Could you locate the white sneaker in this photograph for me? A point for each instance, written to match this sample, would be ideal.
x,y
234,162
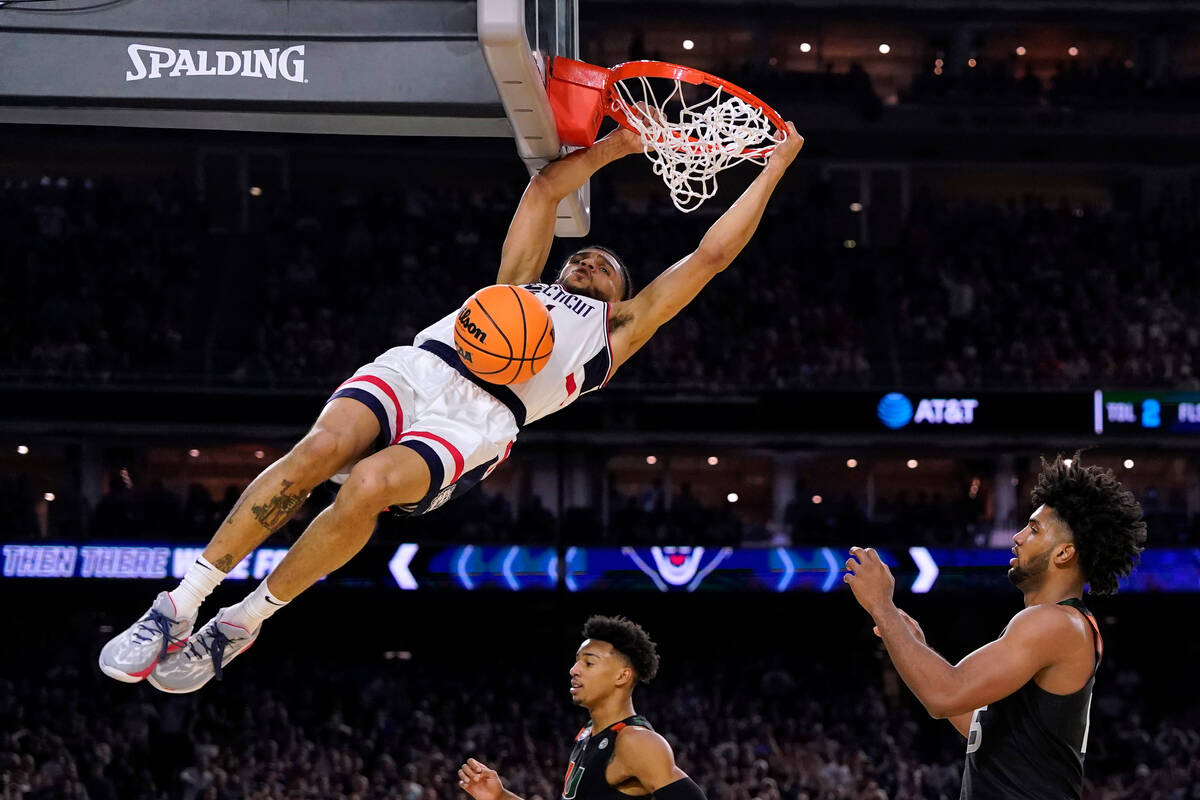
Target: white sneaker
x,y
204,657
131,655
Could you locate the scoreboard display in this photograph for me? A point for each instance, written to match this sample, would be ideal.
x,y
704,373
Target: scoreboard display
x,y
1140,412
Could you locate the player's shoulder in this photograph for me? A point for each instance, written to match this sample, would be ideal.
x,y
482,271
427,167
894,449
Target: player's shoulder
x,y
642,741
1049,624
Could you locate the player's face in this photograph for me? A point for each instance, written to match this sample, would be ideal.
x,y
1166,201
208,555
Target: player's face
x,y
591,274
1033,547
598,671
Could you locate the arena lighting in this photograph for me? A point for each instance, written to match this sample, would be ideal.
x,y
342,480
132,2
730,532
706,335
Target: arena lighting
x,y
856,207
937,70
1068,461
1020,51
22,450
849,244
1072,51
256,191
651,460
939,63
911,463
851,462
48,497
713,461
805,47
688,44
885,48
817,499
732,497
194,453
259,454
1128,463
972,63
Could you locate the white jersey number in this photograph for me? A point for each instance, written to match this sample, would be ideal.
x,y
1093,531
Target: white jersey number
x,y
975,734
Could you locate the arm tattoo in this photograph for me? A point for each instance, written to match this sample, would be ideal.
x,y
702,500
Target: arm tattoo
x,y
279,509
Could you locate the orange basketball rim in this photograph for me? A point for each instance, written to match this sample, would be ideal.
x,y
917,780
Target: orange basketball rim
x,y
693,124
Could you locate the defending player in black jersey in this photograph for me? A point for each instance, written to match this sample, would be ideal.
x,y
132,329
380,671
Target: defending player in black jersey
x,y
617,754
1023,701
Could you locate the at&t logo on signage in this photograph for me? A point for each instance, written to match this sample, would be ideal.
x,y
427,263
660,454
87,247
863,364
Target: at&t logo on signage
x,y
895,411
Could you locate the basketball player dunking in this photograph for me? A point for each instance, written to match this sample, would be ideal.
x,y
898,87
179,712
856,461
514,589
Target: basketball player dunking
x,y
1023,702
617,754
415,428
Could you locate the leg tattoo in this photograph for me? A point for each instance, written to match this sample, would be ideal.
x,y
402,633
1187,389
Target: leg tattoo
x,y
279,509
224,563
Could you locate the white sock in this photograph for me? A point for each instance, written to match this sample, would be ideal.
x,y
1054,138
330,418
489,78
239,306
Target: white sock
x,y
198,583
257,606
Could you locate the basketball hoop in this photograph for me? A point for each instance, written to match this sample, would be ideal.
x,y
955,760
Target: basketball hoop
x,y
689,135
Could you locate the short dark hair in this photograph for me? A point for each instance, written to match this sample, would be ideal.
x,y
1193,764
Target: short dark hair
x,y
615,260
627,638
1104,517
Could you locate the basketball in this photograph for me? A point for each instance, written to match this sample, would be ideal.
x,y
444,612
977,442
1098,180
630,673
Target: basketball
x,y
504,334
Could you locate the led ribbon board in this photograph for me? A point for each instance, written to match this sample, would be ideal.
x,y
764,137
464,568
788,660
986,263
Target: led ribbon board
x,y
517,568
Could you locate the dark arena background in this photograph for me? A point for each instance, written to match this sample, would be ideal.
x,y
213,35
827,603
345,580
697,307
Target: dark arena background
x,y
986,253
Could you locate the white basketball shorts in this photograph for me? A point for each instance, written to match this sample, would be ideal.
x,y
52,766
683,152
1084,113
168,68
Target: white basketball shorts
x,y
459,430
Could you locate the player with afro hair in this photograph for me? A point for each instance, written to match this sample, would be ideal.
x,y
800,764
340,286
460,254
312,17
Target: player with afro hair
x,y
1023,701
1103,517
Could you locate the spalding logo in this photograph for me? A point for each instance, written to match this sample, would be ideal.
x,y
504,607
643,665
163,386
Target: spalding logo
x,y
150,61
464,319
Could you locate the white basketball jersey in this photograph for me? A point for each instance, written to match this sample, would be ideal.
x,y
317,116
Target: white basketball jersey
x,y
580,363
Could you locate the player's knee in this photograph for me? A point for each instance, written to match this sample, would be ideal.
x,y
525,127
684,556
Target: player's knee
x,y
320,453
370,488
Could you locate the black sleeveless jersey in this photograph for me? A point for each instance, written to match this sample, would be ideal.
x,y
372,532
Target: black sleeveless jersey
x,y
1031,744
589,761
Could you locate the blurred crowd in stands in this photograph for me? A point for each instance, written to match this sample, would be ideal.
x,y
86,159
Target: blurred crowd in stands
x,y
123,283
647,517
1106,85
782,728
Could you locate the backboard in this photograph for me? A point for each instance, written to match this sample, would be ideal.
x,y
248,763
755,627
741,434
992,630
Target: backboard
x,y
518,39
386,67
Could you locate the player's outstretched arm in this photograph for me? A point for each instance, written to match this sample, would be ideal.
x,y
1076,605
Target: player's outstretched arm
x,y
531,231
646,757
1035,639
961,722
634,321
482,783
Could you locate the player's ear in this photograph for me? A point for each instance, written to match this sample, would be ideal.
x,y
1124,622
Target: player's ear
x,y
625,677
1064,554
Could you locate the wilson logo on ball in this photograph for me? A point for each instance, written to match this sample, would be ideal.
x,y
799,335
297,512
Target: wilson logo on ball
x,y
504,334
464,319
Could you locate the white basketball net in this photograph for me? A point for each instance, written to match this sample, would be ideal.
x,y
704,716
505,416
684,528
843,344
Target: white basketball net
x,y
702,138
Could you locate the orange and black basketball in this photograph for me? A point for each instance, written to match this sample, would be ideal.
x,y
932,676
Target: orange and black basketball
x,y
504,334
